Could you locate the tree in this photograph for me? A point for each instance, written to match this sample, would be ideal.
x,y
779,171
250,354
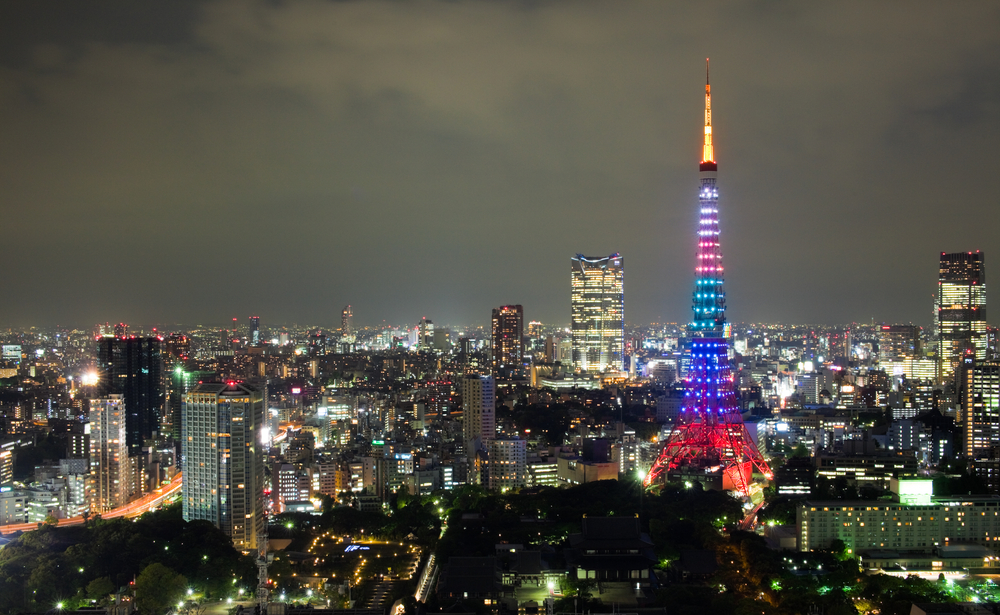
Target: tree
x,y
157,588
801,451
100,588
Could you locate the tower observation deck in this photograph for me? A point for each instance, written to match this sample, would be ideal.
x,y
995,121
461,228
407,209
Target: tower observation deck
x,y
709,435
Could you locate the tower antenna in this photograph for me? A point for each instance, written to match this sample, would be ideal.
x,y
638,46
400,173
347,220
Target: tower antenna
x,y
708,151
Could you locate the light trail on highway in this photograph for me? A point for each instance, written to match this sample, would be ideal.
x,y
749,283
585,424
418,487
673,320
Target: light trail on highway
x,y
146,503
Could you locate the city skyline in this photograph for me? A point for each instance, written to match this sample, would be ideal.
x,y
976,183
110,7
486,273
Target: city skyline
x,y
486,142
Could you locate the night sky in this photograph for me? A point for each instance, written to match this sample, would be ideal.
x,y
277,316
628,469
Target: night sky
x,y
168,162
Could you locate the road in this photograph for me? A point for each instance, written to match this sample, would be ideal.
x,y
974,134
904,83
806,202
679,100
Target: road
x,y
148,502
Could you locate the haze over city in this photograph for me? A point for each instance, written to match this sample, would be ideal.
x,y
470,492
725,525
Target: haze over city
x,y
195,161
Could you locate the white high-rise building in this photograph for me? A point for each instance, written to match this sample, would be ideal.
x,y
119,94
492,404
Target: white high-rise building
x,y
478,412
223,459
507,464
109,461
598,312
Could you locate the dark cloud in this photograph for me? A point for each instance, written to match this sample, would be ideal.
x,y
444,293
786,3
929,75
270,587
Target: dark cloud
x,y
192,161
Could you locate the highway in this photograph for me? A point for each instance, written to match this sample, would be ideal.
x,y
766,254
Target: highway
x,y
150,501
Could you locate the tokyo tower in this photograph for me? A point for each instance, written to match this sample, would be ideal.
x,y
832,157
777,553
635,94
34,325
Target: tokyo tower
x,y
710,434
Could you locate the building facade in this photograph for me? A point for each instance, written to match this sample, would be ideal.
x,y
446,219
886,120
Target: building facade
x,y
960,310
507,464
980,406
478,412
109,459
899,526
223,459
132,367
598,312
508,341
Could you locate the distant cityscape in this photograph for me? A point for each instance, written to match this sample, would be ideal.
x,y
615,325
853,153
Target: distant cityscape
x,y
871,443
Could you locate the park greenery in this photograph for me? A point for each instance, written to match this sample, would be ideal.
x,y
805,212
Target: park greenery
x,y
156,557
161,559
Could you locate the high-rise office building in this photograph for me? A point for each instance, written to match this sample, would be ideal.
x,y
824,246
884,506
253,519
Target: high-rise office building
x,y
960,311
132,367
508,341
425,334
598,312
110,463
478,412
980,382
346,321
897,343
255,331
223,459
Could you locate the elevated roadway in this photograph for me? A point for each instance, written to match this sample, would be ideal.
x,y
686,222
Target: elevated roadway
x,y
148,502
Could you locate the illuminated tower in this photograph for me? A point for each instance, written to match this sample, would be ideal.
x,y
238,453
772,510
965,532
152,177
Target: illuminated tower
x,y
710,430
598,312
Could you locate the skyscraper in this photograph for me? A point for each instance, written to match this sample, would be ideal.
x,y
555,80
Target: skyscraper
x,y
508,341
598,312
960,310
255,330
980,406
346,321
110,464
478,412
131,367
425,334
896,343
223,459
710,431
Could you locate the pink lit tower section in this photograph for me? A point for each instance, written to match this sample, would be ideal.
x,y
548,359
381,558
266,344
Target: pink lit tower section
x,y
710,434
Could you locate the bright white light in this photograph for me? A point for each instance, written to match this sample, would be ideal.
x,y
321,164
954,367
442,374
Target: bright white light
x,y
89,379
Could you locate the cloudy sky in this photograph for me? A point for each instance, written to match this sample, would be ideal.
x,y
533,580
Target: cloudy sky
x,y
194,161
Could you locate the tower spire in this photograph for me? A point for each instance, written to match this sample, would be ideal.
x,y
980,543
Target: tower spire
x,y
708,153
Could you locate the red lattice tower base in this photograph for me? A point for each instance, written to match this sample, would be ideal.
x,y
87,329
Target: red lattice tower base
x,y
710,432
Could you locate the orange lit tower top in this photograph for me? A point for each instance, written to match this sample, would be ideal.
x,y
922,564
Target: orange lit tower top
x,y
708,152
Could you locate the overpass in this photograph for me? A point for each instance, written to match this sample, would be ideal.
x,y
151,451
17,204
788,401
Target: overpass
x,y
148,502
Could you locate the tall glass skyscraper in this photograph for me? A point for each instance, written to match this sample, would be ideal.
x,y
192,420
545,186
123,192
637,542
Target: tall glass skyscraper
x,y
598,312
223,459
132,367
960,310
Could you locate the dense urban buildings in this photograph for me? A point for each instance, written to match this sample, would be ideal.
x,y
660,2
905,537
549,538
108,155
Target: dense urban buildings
x,y
960,310
223,464
598,312
508,341
664,435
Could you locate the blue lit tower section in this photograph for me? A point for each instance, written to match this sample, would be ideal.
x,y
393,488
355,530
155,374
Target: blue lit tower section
x,y
710,433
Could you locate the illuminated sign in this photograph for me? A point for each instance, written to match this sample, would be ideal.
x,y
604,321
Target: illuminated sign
x,y
355,548
11,351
